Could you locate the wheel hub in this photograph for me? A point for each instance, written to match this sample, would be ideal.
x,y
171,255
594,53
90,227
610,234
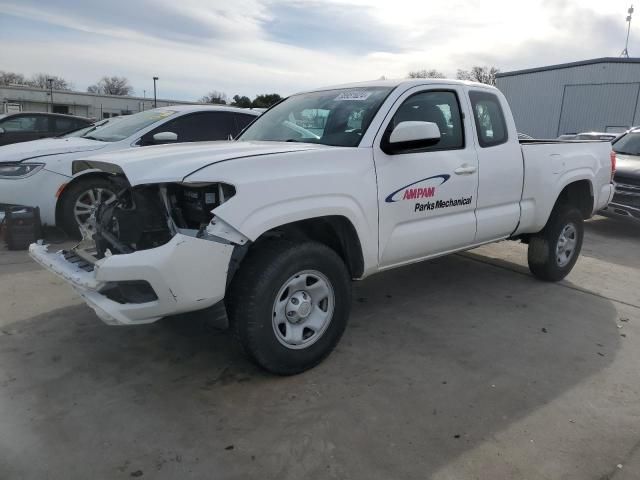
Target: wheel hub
x,y
299,306
566,245
302,309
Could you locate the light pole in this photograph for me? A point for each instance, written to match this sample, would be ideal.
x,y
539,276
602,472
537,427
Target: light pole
x,y
625,52
155,100
144,98
50,82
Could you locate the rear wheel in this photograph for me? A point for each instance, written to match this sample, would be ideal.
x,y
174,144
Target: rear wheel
x,y
554,251
81,200
289,304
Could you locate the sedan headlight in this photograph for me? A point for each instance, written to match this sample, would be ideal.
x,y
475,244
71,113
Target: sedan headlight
x,y
19,170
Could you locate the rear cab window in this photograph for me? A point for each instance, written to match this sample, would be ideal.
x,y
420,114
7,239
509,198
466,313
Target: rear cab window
x,y
491,127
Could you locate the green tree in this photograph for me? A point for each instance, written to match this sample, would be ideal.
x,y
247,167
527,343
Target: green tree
x,y
242,102
265,100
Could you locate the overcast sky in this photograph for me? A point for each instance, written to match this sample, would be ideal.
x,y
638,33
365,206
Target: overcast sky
x,y
259,46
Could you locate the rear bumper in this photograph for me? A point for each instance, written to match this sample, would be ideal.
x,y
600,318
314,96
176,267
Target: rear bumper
x,y
186,274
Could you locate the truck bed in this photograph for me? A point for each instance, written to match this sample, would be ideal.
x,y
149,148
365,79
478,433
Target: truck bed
x,y
548,166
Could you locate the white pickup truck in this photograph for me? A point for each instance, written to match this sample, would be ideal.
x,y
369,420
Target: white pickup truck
x,y
326,187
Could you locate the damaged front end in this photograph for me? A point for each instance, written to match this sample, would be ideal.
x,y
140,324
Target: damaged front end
x,y
152,251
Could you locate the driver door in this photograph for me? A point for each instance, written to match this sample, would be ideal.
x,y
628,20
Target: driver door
x,y
427,197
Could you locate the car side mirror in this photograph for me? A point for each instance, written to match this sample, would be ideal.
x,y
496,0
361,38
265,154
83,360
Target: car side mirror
x,y
165,137
1,130
412,135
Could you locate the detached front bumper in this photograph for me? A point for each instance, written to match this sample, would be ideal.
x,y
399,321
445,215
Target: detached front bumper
x,y
186,274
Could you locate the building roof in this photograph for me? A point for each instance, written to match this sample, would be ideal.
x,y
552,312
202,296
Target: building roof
x,y
559,66
29,88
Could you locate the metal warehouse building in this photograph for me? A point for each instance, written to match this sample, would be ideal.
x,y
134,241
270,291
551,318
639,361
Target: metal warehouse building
x,y
18,98
592,95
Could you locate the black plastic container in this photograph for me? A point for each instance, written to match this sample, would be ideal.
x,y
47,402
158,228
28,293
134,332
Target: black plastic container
x,y
22,227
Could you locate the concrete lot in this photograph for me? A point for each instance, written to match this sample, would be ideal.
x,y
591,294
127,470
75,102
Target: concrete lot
x,y
461,368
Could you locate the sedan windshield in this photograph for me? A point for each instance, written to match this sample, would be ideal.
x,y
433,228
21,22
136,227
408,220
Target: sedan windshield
x,y
628,144
330,117
127,126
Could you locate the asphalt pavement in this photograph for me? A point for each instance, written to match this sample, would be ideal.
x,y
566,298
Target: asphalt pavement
x,y
465,367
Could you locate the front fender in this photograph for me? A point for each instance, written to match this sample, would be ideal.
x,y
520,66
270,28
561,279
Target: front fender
x,y
280,189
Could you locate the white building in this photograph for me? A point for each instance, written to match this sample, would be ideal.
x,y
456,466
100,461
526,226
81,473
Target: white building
x,y
83,104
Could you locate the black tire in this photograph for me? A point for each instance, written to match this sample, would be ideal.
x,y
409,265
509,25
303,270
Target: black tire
x,y
251,296
70,196
542,254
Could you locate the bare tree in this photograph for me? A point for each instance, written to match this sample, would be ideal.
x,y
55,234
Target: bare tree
x,y
479,74
41,80
215,97
12,78
431,73
112,86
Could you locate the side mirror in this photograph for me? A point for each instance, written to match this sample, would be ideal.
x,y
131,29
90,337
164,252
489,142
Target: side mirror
x,y
1,130
165,137
412,135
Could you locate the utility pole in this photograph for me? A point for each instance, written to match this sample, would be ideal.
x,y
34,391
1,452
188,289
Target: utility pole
x,y
155,100
625,52
50,82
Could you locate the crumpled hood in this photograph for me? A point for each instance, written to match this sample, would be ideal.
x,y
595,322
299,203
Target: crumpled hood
x,y
17,152
628,166
173,163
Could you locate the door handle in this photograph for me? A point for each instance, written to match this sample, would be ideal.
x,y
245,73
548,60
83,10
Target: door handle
x,y
465,169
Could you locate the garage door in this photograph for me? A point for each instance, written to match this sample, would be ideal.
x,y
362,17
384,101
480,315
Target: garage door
x,y
598,108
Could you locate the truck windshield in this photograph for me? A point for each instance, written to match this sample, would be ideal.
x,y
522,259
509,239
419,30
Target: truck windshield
x,y
628,144
127,126
330,117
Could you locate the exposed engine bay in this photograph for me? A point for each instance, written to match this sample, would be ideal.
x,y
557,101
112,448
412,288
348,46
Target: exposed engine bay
x,y
147,216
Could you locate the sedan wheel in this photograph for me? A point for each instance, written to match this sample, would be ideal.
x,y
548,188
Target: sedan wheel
x,y
87,204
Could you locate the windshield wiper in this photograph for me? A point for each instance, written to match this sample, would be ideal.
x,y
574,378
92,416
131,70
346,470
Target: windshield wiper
x,y
90,137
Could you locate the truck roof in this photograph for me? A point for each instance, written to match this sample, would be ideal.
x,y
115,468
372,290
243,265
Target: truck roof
x,y
402,82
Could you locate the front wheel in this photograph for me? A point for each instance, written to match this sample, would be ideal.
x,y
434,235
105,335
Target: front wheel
x,y
554,251
289,304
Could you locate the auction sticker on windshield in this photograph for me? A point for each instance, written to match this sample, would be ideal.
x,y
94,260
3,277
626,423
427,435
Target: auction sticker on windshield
x,y
353,95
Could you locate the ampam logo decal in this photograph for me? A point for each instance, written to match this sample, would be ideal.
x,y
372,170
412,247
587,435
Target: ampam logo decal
x,y
425,188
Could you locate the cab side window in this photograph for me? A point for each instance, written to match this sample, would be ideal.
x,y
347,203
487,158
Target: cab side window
x,y
489,119
439,107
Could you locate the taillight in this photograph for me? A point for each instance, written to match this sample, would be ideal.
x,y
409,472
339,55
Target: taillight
x,y
613,164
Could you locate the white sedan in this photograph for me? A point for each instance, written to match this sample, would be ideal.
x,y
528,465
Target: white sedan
x,y
38,173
